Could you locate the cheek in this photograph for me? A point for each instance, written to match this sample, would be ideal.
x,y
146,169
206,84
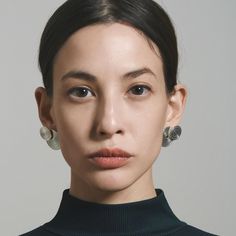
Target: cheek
x,y
149,128
71,117
152,116
73,124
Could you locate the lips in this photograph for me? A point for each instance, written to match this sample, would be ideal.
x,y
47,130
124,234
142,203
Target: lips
x,y
110,158
110,152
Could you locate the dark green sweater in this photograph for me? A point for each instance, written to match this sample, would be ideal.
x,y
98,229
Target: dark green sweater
x,y
149,217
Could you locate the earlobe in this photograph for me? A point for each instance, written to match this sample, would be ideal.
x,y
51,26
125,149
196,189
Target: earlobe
x,y
44,107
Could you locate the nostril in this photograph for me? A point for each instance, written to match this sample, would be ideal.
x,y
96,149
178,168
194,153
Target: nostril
x,y
103,133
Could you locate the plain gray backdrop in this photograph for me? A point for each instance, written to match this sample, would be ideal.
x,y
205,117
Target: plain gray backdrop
x,y
197,172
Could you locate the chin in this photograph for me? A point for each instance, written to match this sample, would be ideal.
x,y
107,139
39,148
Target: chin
x,y
112,180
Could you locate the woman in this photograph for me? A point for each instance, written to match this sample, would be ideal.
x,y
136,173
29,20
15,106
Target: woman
x,y
111,100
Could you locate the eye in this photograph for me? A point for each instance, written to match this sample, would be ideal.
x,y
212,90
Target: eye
x,y
139,89
79,92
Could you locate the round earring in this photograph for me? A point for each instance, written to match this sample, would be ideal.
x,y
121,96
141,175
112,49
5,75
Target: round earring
x,y
171,134
51,137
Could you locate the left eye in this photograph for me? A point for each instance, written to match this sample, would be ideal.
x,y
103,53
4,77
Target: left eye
x,y
79,92
139,89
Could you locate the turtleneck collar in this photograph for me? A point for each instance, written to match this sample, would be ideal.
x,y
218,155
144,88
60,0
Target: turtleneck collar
x,y
79,217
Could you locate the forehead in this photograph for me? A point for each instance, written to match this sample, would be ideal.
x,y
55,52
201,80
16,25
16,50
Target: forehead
x,y
112,44
109,33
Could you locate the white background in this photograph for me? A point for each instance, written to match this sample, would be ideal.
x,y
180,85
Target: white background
x,y
197,172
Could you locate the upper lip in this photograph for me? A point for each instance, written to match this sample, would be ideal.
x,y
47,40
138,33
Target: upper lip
x,y
110,152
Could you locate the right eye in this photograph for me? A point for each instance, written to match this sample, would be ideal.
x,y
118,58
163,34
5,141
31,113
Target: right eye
x,y
79,92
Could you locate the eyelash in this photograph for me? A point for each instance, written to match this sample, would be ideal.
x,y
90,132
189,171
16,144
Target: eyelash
x,y
76,89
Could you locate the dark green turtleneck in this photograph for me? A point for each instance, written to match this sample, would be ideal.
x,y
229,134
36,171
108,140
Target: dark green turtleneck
x,y
149,217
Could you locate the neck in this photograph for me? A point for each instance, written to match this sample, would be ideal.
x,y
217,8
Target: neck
x,y
141,189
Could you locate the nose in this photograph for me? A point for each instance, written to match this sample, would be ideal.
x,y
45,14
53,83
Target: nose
x,y
109,118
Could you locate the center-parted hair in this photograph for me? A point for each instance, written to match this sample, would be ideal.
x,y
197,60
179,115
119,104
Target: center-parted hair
x,y
146,16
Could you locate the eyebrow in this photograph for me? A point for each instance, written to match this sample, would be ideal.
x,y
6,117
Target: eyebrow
x,y
83,75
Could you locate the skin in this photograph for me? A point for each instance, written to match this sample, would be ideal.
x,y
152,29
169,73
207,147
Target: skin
x,y
110,112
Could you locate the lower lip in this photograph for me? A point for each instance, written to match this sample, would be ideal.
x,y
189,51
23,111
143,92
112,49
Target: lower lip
x,y
109,162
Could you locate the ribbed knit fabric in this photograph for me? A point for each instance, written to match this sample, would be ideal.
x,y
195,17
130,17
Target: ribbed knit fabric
x,y
149,217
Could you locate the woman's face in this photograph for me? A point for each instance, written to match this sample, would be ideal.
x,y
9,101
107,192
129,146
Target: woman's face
x,y
109,108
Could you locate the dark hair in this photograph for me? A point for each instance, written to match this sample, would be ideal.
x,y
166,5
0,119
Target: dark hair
x,y
144,15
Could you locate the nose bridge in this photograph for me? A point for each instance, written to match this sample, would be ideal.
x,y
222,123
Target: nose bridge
x,y
109,112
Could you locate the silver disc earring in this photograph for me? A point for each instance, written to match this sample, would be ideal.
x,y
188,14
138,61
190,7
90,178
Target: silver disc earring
x,y
51,137
171,134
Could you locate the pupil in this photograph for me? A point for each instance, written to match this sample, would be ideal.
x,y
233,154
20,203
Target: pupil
x,y
139,90
81,92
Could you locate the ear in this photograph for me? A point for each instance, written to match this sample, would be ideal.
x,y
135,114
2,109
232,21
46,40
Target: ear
x,y
176,105
45,109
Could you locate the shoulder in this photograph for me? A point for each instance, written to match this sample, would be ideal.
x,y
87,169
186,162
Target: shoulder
x,y
193,231
186,230
40,231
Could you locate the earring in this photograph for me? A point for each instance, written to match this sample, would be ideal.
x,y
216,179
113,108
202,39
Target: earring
x,y
51,137
171,134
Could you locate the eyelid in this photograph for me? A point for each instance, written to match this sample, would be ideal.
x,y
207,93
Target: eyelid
x,y
141,85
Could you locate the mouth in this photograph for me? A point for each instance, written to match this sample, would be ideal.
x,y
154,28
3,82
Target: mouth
x,y
107,158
